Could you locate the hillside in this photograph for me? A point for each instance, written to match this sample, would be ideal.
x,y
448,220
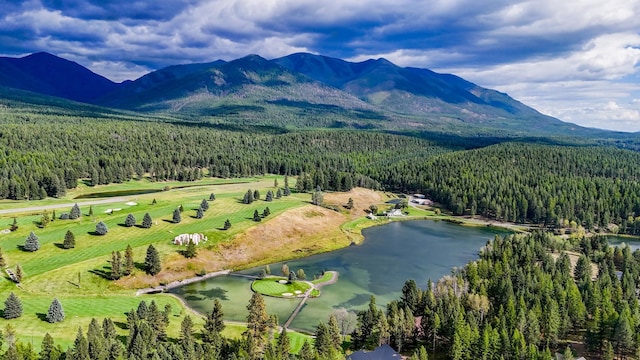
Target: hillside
x,y
296,91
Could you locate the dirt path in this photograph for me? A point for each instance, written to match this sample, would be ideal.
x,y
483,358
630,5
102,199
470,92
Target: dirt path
x,y
65,205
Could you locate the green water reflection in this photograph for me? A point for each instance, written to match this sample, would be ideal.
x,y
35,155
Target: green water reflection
x,y
389,256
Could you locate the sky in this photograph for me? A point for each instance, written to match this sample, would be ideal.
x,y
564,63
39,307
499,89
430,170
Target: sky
x,y
577,60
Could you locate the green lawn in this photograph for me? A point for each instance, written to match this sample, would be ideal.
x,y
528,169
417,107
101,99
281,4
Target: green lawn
x,y
272,287
77,276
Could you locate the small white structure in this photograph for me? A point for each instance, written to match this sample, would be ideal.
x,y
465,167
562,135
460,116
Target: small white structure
x,y
395,212
184,239
371,216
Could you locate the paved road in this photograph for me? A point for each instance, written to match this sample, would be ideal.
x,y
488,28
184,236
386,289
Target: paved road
x,y
67,205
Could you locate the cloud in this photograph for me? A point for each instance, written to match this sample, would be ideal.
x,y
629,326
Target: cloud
x,y
522,46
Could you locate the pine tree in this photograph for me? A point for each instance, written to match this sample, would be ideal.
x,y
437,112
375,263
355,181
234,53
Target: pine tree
x,y
214,323
258,322
55,313
176,216
129,265
152,261
146,221
204,205
75,212
256,195
130,220
190,251
212,197
14,225
317,198
101,228
49,351
269,196
287,191
53,215
97,344
12,307
45,219
80,349
90,210
19,273
334,332
154,202
275,182
31,243
181,208
116,264
278,193
306,352
256,216
3,262
227,225
349,204
199,213
283,346
266,212
69,240
248,197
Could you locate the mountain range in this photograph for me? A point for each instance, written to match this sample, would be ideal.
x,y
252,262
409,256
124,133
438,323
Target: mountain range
x,y
298,90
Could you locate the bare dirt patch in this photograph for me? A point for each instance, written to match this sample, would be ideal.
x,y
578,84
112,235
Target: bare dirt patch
x,y
573,259
362,199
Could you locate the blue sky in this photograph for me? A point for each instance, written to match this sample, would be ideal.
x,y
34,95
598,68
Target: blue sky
x,y
578,60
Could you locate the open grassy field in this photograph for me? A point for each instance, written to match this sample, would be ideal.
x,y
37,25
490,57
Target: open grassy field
x,y
78,277
271,286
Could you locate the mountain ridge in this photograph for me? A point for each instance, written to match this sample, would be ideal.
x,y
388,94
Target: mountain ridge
x,y
298,89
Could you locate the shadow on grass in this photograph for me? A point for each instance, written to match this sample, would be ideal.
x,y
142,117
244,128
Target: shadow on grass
x,y
60,246
140,266
42,317
121,325
168,221
102,273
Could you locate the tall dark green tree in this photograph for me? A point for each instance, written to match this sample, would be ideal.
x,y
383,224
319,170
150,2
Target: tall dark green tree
x,y
146,221
214,323
69,240
227,225
177,218
204,205
256,216
80,349
129,264
212,197
269,196
130,220
152,261
12,307
116,265
3,261
190,250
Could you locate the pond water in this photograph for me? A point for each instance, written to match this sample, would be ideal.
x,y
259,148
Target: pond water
x,y
390,255
633,242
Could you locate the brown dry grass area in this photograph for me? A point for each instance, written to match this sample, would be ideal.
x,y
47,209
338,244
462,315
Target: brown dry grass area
x,y
362,198
295,233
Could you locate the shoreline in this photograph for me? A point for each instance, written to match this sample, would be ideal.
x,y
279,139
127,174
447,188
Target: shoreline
x,y
172,285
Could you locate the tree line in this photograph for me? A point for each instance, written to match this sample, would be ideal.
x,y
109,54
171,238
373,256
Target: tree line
x,y
518,301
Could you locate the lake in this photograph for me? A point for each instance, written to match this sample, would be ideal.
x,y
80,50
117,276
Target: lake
x,y
633,242
390,255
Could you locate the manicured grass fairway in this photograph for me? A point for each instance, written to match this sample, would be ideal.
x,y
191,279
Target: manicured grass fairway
x,y
53,272
270,286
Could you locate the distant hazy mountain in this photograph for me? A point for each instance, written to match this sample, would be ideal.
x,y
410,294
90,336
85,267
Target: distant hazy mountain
x,y
296,90
47,74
